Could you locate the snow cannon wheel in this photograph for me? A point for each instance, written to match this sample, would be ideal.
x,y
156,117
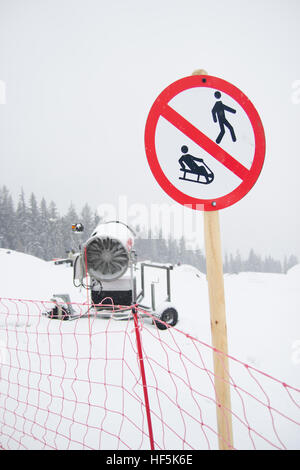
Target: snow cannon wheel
x,y
169,316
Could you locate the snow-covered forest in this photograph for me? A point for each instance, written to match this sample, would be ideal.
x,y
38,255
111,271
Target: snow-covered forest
x,y
36,227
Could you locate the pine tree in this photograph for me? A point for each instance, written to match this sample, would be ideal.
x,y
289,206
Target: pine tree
x,y
44,230
8,230
254,262
226,264
71,240
96,219
199,260
238,262
162,255
22,225
56,236
34,246
181,250
87,219
285,264
172,250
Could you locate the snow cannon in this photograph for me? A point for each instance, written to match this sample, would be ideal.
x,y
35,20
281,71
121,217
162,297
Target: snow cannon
x,y
107,254
107,257
107,266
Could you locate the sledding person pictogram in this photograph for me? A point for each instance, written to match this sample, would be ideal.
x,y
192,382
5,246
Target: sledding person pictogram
x,y
218,113
189,165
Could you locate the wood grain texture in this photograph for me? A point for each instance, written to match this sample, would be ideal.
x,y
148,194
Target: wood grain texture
x,y
215,280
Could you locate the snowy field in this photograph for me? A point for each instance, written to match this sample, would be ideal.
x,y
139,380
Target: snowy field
x,y
85,391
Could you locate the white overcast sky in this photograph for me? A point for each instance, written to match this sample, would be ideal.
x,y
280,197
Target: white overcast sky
x,y
81,76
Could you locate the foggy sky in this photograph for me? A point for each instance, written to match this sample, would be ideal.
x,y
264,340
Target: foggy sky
x,y
81,76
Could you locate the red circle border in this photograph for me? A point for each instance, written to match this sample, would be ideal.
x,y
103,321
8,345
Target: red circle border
x,y
169,93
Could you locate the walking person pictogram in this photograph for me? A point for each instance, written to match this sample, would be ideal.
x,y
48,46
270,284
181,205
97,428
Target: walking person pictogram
x,y
218,113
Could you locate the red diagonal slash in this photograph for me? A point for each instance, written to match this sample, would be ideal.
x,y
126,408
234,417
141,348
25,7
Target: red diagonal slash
x,y
204,142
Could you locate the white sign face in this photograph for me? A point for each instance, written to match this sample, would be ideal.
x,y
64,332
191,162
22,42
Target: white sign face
x,y
205,142
196,106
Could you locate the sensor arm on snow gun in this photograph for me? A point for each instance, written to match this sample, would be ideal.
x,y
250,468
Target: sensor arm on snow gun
x,y
77,228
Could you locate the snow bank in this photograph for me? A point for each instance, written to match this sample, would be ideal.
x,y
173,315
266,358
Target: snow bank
x,y
24,276
262,308
189,270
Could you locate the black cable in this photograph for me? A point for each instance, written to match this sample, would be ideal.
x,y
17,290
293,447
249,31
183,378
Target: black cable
x,y
81,284
74,270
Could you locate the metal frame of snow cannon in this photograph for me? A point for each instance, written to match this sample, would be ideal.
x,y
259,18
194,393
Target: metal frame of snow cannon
x,y
165,312
105,303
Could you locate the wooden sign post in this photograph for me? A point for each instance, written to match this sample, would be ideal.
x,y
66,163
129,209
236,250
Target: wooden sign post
x,y
214,266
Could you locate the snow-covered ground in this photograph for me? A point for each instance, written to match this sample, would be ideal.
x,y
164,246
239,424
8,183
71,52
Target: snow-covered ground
x,y
263,316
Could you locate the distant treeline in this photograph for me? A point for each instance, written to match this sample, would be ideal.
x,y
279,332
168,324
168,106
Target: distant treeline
x,y
38,229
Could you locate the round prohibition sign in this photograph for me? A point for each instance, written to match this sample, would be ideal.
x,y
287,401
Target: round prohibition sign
x,y
247,176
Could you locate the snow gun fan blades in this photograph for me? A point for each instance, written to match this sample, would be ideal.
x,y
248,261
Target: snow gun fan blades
x,y
107,253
